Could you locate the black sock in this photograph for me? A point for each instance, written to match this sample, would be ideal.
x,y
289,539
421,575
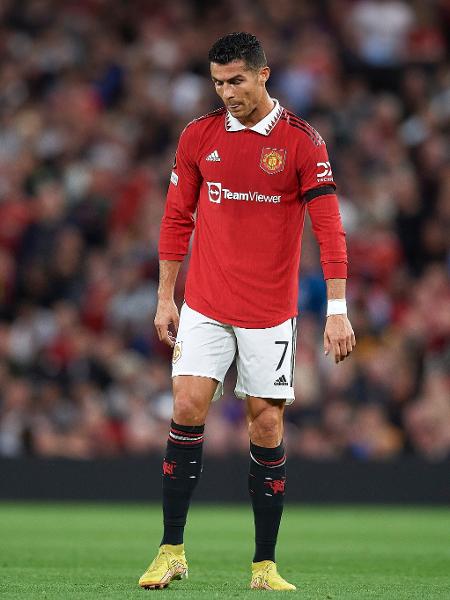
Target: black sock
x,y
266,481
181,471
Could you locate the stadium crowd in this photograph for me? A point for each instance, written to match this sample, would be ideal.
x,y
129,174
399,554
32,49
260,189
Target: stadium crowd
x,y
93,96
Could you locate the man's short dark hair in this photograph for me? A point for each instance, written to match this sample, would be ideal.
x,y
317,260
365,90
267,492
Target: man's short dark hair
x,y
238,46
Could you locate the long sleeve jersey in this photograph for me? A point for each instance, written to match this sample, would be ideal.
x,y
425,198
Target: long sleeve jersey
x,y
245,191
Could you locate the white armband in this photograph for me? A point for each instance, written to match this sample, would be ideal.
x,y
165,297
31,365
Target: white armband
x,y
336,307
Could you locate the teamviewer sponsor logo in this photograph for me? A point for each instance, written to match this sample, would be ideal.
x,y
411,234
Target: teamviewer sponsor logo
x,y
214,192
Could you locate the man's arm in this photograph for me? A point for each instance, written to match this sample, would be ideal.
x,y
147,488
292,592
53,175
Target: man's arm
x,y
338,335
318,191
176,228
327,226
167,311
326,223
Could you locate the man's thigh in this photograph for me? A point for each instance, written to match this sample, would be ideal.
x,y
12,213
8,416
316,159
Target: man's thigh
x,y
204,347
266,361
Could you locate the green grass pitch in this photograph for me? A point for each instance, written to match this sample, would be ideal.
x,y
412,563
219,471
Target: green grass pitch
x,y
62,551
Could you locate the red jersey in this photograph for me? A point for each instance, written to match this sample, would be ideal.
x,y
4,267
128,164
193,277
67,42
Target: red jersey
x,y
246,191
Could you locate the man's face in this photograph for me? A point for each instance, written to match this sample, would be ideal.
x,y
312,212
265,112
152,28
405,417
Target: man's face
x,y
240,88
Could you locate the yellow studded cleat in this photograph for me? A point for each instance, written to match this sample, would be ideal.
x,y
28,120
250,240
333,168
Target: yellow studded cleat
x,y
169,564
266,577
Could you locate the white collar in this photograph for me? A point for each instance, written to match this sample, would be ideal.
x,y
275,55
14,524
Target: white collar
x,y
264,127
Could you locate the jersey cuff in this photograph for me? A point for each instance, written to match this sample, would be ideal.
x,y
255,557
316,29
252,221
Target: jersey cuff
x,y
323,190
334,270
171,256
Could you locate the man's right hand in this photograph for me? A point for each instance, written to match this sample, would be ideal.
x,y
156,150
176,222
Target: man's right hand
x,y
167,315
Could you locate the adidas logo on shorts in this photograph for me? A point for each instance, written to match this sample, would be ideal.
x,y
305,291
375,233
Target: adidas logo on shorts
x,y
281,381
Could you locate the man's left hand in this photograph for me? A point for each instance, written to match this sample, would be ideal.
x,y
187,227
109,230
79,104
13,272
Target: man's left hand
x,y
338,337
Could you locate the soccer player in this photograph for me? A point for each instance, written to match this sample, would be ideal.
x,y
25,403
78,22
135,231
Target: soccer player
x,y
243,177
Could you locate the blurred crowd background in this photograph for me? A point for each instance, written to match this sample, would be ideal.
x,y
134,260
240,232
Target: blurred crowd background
x,y
93,96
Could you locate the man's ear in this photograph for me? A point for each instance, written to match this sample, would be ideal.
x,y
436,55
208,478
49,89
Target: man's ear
x,y
264,74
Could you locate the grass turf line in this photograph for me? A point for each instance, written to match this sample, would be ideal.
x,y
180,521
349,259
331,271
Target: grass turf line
x,y
55,551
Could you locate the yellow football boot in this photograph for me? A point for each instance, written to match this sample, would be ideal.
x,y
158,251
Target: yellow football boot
x,y
266,577
169,564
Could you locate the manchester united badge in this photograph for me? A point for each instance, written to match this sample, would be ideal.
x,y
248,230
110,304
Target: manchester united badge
x,y
176,352
272,160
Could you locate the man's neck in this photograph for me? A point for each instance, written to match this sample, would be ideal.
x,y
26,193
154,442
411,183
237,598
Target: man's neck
x,y
260,111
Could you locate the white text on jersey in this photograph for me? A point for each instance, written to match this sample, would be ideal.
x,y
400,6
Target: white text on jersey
x,y
216,193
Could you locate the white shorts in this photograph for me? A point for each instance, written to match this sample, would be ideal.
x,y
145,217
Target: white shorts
x,y
265,358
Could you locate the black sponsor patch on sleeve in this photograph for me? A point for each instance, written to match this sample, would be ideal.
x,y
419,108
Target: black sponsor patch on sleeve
x,y
323,190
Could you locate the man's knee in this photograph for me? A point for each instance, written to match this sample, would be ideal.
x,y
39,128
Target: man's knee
x,y
266,428
191,401
188,410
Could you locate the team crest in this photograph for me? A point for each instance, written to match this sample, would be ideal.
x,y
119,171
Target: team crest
x,y
176,352
272,160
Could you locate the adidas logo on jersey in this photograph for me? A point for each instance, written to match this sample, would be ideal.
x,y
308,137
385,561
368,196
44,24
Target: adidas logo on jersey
x,y
213,157
281,381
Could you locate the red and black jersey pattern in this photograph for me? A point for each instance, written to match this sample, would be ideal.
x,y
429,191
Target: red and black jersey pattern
x,y
298,123
246,192
214,113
